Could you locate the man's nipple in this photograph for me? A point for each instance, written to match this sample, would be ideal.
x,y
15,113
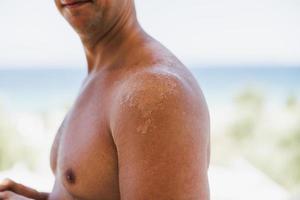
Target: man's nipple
x,y
70,176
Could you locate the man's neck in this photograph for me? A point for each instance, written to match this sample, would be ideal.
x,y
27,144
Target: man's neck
x,y
112,47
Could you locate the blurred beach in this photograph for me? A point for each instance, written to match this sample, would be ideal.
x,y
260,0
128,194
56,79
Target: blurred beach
x,y
255,126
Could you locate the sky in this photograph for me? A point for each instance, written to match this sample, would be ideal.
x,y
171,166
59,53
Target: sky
x,y
202,32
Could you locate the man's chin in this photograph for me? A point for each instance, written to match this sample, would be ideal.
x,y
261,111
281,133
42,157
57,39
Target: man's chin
x,y
82,27
77,21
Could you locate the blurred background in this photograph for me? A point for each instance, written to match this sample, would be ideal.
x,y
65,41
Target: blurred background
x,y
245,55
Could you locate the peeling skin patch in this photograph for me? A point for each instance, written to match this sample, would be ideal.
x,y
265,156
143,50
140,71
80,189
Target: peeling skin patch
x,y
144,128
148,93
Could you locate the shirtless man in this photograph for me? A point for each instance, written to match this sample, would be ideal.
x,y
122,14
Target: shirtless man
x,y
139,128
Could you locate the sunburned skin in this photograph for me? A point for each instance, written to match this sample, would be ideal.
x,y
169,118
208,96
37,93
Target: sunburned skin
x,y
139,128
140,98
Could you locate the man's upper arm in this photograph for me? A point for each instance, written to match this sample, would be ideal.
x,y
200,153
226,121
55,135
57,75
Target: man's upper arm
x,y
161,131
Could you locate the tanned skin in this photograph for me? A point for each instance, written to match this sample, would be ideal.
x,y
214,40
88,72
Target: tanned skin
x,y
139,128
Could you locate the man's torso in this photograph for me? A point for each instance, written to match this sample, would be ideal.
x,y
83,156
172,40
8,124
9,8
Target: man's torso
x,y
84,157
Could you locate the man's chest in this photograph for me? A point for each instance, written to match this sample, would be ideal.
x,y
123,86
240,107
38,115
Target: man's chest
x,y
83,156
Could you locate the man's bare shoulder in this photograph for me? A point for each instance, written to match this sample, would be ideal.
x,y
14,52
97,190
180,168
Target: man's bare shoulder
x,y
155,85
157,80
160,127
157,91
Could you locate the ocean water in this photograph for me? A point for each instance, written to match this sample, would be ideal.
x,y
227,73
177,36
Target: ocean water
x,y
32,89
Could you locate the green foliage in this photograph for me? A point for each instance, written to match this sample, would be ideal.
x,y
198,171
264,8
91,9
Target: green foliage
x,y
292,102
249,105
290,146
243,130
274,152
250,99
12,149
